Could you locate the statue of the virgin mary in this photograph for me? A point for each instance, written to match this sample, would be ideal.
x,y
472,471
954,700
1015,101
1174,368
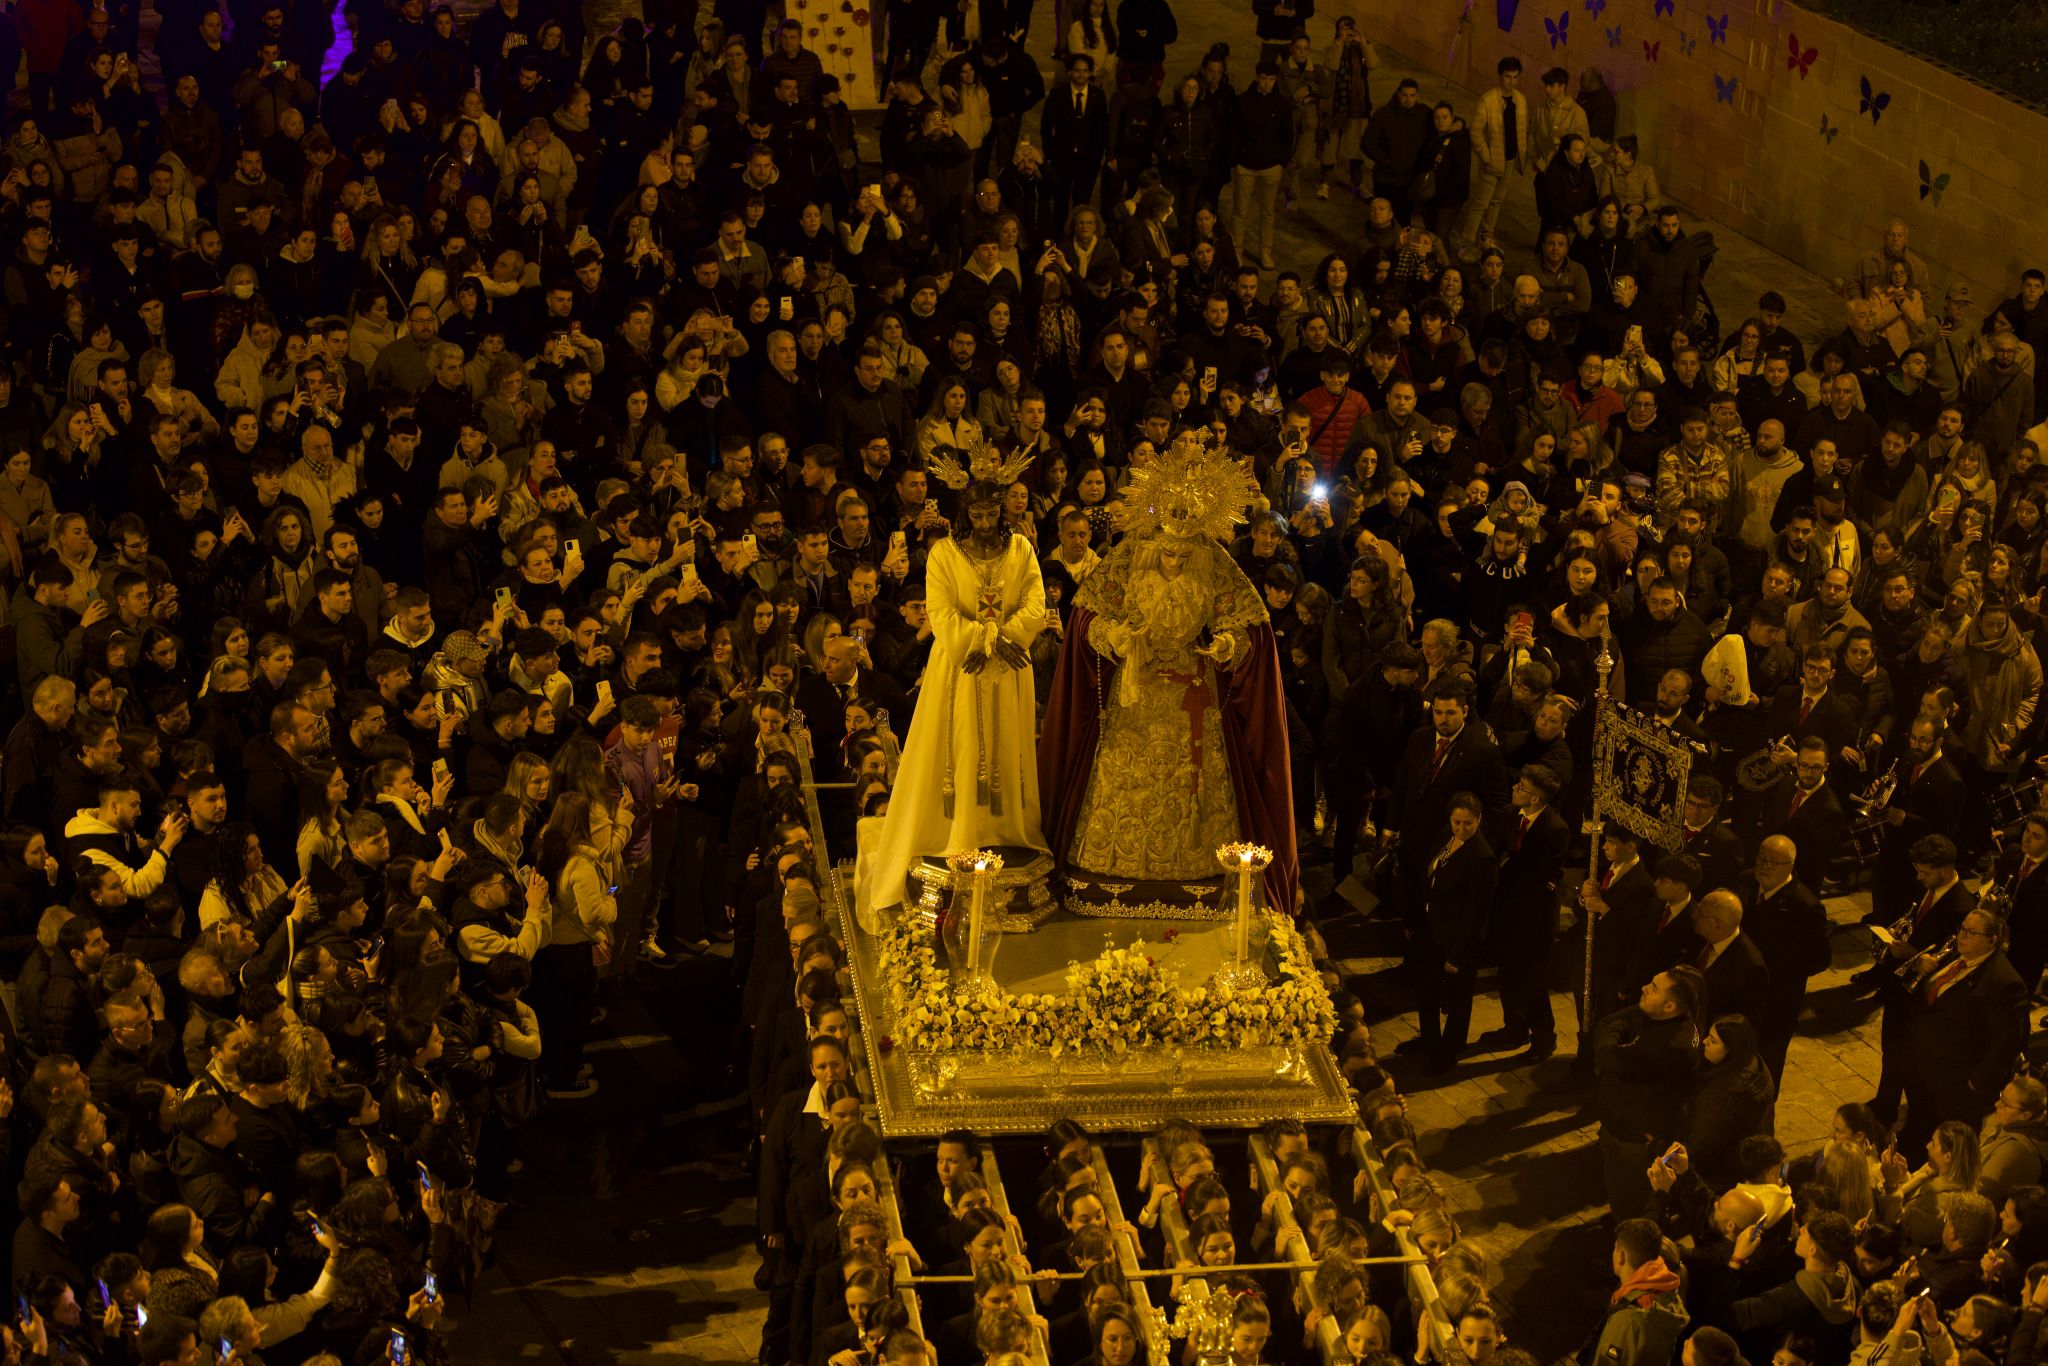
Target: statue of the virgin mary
x,y
1166,732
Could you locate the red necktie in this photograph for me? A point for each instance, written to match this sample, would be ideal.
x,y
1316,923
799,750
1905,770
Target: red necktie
x,y
1606,878
1926,903
1805,706
2027,866
1798,800
1692,832
1528,820
1942,980
1443,747
1706,957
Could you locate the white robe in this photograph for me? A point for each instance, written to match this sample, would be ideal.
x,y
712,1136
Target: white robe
x,y
955,710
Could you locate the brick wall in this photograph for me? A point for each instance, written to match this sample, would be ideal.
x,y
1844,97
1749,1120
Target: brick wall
x,y
1761,163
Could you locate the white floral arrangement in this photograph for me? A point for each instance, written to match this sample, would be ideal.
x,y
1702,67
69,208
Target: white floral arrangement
x,y
1123,999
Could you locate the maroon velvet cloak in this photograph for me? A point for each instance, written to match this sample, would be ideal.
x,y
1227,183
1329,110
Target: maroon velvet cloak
x,y
1254,713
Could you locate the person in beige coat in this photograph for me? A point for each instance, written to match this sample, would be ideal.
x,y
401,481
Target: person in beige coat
x,y
1503,135
1557,115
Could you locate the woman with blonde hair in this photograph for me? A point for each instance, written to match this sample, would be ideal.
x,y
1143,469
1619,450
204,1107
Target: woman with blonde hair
x,y
529,779
1914,1200
1846,1172
323,793
824,628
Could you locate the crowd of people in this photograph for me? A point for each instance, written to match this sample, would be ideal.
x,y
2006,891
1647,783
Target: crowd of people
x,y
434,490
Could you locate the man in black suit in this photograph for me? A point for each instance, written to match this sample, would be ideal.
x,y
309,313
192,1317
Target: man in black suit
x,y
1728,960
848,669
1448,758
1812,707
1790,928
1806,810
1073,128
1939,913
1708,839
1443,959
2021,896
1962,1030
1670,938
1927,800
1622,903
1531,841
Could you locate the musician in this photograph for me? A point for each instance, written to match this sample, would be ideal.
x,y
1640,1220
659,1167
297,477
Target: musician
x,y
1674,698
2019,887
1707,838
1789,926
1531,840
1728,960
1805,810
1623,903
1449,757
1443,960
1962,1028
1812,707
1927,799
1944,901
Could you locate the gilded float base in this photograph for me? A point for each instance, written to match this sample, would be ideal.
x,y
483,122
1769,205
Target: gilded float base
x,y
1021,895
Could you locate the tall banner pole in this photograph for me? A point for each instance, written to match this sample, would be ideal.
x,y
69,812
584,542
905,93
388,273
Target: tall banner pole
x,y
1594,827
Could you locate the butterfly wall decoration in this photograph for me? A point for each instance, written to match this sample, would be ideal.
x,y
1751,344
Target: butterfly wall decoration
x,y
1724,90
1559,30
1651,49
1798,60
1931,186
1717,30
1665,7
1687,43
1829,132
1596,7
1873,103
1614,36
1504,12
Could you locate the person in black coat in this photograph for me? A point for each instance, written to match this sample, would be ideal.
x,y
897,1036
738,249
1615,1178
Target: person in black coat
x,y
1961,1031
1450,757
1073,129
1927,799
1708,839
2018,891
1400,137
1643,1057
1443,960
1939,913
1531,841
1790,928
1806,811
1369,733
1729,962
1732,1097
1623,903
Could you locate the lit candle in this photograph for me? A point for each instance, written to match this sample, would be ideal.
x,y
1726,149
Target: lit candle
x,y
1244,906
974,919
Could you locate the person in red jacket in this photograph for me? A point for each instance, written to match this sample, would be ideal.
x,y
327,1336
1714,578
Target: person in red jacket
x,y
1334,409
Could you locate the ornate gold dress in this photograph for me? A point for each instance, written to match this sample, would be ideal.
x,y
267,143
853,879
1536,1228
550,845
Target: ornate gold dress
x,y
1159,801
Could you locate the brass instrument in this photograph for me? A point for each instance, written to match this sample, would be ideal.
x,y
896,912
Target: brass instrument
x,y
1997,896
1758,771
1920,977
1874,801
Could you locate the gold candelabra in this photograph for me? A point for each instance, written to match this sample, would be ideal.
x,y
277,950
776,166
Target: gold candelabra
x,y
1243,862
978,867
